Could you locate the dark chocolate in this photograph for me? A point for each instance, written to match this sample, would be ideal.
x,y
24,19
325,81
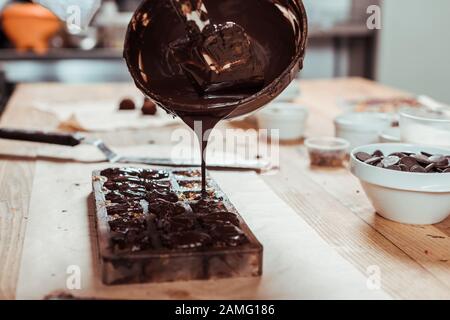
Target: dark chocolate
x,y
149,107
127,104
246,55
145,213
162,194
227,236
164,208
207,206
222,59
187,240
222,218
422,162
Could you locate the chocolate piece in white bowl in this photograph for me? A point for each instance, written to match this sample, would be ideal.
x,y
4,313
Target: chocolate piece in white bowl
x,y
418,198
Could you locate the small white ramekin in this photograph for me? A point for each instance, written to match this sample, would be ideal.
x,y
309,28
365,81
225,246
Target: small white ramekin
x,y
405,197
424,127
289,118
361,128
391,135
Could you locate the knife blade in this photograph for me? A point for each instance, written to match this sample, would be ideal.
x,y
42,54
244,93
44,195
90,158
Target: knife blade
x,y
72,140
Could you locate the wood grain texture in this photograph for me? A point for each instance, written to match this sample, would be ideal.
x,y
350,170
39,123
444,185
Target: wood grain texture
x,y
16,179
356,233
340,211
414,261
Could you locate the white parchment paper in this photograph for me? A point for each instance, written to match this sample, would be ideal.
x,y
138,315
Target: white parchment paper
x,y
60,238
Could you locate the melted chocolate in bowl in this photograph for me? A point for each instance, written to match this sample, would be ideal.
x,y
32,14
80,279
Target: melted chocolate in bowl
x,y
277,29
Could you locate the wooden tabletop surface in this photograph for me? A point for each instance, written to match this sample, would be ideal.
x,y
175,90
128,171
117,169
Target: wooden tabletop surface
x,y
414,261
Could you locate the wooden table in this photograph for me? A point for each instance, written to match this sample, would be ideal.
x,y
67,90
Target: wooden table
x,y
414,260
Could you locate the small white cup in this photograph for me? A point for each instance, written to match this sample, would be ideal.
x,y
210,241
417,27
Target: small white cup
x,y
290,93
391,135
361,128
289,118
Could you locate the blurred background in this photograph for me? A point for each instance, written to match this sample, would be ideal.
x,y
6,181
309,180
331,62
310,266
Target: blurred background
x,y
409,52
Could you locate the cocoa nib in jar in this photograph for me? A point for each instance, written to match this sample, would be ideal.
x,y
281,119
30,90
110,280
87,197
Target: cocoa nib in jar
x,y
421,162
329,151
327,158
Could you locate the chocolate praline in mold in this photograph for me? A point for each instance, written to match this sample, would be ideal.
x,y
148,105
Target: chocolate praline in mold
x,y
154,221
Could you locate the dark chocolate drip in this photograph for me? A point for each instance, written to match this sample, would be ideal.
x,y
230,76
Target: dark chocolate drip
x,y
202,127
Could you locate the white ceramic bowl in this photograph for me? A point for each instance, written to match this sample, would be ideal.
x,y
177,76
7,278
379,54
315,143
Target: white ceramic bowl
x,y
291,93
391,135
411,198
361,128
424,127
289,118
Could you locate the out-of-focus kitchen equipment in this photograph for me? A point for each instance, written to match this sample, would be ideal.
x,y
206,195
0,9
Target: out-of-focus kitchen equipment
x,y
379,105
78,13
434,106
422,126
76,139
361,128
288,118
29,26
128,5
406,197
112,25
326,13
86,39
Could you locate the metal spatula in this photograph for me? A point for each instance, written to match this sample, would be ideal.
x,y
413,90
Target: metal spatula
x,y
75,139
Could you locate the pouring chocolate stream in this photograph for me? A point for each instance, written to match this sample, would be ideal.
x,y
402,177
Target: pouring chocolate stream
x,y
222,59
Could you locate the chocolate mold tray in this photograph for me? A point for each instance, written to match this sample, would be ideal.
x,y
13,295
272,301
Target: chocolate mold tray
x,y
154,226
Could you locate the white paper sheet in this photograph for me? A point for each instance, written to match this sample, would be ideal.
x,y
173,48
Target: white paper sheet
x,y
103,116
298,264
